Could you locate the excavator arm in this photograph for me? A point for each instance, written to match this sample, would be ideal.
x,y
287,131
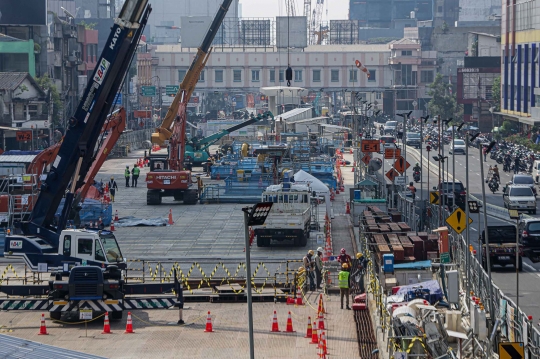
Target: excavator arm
x,y
43,159
113,128
186,88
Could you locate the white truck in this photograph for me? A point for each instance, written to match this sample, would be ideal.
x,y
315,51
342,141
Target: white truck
x,y
290,216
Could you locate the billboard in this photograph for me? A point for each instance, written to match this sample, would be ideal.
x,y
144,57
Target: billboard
x,y
256,32
27,12
292,31
193,29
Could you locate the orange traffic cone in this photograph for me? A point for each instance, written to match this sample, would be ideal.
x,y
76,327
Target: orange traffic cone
x,y
321,352
116,216
106,325
275,327
309,332
299,297
171,222
321,323
112,226
289,328
347,208
43,328
350,151
314,336
209,328
321,305
129,325
352,169
323,340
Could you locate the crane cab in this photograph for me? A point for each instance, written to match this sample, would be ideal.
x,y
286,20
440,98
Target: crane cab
x,y
75,247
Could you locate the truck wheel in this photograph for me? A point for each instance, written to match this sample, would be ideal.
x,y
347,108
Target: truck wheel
x,y
55,315
190,197
116,315
520,267
153,198
178,196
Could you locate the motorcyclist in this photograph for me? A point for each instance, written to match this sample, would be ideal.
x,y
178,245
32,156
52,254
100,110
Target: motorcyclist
x,y
495,170
417,168
507,162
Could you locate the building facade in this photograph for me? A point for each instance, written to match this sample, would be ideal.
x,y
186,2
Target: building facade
x,y
520,37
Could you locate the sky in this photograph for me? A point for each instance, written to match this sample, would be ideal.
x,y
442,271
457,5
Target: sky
x,y
333,9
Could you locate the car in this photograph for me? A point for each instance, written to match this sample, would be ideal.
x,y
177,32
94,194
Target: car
x,y
524,180
536,170
529,231
457,146
452,193
390,127
413,140
386,145
520,198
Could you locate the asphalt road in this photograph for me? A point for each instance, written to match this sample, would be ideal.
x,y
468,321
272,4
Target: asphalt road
x,y
504,277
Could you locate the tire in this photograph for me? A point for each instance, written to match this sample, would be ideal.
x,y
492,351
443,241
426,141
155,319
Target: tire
x,y
190,197
153,197
178,196
116,315
55,315
260,242
300,241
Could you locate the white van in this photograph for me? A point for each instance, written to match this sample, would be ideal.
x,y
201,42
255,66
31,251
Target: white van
x,y
536,171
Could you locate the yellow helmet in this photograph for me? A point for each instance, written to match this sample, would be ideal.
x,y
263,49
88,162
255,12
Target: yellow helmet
x,y
311,252
301,270
345,266
359,255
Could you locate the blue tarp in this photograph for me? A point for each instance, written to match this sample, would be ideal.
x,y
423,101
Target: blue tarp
x,y
435,291
414,265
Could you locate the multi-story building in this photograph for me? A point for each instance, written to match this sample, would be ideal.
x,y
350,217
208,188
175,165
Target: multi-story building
x,y
520,87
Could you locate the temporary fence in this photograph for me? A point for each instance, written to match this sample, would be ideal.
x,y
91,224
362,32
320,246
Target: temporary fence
x,y
236,190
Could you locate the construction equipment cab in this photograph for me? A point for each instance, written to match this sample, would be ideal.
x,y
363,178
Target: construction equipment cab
x,y
89,247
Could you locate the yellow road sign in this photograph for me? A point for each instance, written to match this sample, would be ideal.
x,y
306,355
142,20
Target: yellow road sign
x,y
434,197
457,220
511,350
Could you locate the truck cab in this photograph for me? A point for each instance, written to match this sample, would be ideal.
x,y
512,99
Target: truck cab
x,y
92,247
502,247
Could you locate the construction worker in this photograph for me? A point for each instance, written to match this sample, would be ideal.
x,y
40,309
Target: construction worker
x,y
319,266
135,172
127,174
359,270
309,265
343,280
208,166
412,189
112,188
344,258
199,185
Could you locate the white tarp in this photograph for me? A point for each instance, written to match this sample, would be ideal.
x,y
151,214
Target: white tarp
x,y
302,177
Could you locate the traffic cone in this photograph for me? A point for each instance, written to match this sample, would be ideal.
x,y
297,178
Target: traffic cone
x,y
323,340
347,208
275,327
112,226
289,328
106,325
209,328
321,352
116,216
129,325
299,297
290,299
321,305
314,336
43,328
171,222
350,151
321,322
309,332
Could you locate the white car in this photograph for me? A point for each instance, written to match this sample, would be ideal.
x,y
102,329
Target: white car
x,y
457,146
387,145
519,197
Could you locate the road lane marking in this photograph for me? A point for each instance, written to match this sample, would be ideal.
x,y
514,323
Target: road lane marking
x,y
530,267
474,229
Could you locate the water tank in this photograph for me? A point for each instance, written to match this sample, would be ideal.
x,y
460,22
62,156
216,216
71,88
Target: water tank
x,y
413,15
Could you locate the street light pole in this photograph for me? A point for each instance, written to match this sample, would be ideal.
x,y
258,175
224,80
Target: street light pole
x,y
248,284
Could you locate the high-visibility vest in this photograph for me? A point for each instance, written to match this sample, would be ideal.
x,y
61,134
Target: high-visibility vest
x,y
343,279
126,173
136,171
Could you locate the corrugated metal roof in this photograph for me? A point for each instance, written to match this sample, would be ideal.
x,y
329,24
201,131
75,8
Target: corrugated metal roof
x,y
17,158
16,348
294,112
11,80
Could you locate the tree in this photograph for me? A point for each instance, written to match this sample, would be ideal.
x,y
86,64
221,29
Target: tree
x,y
48,86
442,102
496,93
88,26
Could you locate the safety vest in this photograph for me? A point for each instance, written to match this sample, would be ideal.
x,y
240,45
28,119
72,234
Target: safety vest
x,y
136,171
126,172
343,279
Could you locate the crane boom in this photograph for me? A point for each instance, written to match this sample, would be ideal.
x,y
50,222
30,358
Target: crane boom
x,y
76,153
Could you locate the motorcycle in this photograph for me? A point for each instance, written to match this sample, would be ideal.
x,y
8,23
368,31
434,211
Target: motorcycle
x,y
416,176
493,185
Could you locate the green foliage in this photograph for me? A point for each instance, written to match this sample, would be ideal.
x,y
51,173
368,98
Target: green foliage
x,y
442,103
88,26
524,141
496,93
508,128
48,86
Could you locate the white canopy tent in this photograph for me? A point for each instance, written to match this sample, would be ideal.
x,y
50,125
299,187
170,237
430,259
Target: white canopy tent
x,y
302,177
